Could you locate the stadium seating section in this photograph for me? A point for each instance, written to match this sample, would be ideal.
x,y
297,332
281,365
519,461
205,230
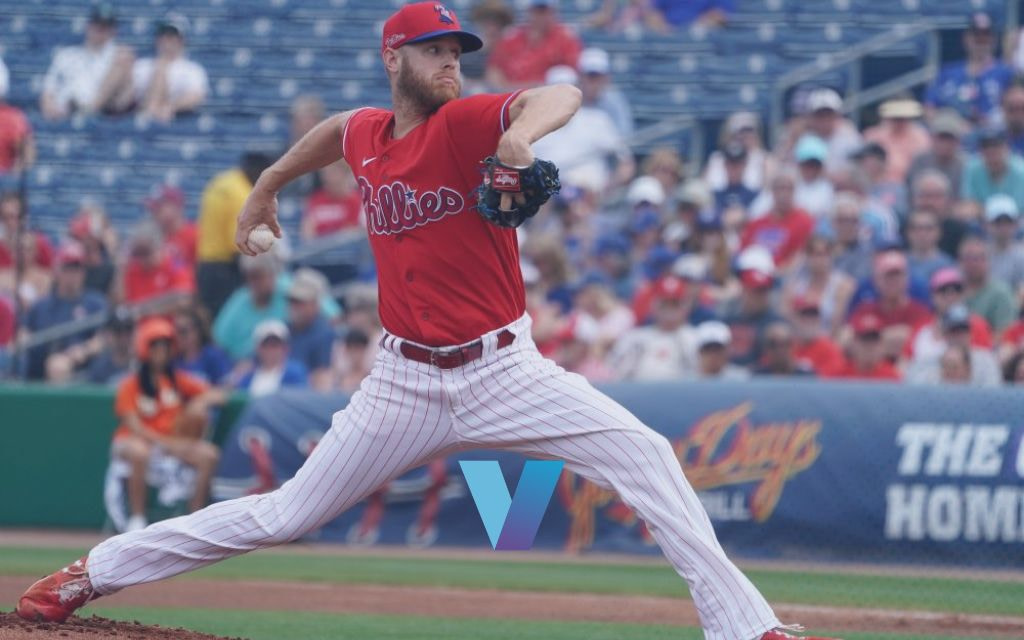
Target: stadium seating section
x,y
260,54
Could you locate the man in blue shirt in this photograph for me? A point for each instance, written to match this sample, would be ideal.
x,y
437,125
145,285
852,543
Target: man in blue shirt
x,y
712,13
1013,116
973,87
312,336
69,301
735,194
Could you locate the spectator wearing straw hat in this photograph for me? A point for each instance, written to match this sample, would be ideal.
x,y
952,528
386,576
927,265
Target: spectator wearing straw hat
x,y
899,133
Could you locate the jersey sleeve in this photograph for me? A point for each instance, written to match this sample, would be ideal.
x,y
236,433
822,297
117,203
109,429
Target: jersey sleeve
x,y
480,120
348,135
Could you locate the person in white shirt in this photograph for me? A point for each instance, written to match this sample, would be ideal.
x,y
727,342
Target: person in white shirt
x,y
713,339
170,83
955,326
582,147
665,350
92,78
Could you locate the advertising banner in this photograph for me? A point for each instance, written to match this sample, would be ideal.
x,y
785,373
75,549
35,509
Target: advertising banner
x,y
803,469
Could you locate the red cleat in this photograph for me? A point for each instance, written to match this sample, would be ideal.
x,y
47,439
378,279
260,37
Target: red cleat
x,y
55,597
779,634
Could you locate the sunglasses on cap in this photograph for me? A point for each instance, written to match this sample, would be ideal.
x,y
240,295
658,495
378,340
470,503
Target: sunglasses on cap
x,y
950,288
870,336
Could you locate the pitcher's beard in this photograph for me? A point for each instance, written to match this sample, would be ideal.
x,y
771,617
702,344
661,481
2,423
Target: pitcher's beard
x,y
426,98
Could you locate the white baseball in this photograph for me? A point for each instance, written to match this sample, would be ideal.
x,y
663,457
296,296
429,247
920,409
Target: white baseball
x,y
261,239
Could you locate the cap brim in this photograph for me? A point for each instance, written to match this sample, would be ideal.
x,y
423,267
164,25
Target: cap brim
x,y
470,41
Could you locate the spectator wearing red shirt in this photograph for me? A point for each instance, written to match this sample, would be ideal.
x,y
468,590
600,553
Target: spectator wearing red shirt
x,y
335,206
785,229
17,148
150,272
166,204
811,346
7,321
865,359
899,314
524,55
1012,341
10,212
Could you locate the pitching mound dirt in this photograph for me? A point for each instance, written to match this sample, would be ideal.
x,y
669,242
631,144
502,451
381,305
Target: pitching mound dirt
x,y
94,628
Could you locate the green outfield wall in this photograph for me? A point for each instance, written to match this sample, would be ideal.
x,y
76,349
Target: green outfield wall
x,y
54,450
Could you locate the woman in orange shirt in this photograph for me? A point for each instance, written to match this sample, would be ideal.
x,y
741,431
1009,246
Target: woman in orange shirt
x,y
163,409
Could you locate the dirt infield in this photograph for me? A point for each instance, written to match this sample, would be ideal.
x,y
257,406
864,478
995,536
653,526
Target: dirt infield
x,y
465,603
92,628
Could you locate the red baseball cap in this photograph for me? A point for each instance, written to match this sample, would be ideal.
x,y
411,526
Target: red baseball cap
x,y
944,276
70,253
866,323
165,193
421,21
756,279
670,288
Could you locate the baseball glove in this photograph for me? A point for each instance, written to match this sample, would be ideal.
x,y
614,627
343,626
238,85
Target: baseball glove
x,y
510,195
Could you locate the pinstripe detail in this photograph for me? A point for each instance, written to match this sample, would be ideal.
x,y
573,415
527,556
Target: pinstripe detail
x,y
540,410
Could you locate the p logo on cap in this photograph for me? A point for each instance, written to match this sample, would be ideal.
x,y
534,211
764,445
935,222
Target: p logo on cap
x,y
423,21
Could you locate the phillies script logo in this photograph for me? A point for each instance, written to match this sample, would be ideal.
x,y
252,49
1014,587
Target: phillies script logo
x,y
394,207
721,450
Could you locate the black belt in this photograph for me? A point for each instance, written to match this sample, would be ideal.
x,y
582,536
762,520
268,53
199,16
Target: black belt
x,y
449,358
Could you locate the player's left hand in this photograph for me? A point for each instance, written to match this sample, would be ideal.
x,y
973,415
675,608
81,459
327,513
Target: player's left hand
x,y
260,208
513,151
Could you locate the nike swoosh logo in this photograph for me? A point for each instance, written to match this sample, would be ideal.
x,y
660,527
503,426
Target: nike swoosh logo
x,y
367,161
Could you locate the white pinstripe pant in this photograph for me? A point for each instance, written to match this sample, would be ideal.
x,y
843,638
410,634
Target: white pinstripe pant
x,y
406,413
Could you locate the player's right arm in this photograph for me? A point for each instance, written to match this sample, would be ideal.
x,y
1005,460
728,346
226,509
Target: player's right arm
x,y
318,148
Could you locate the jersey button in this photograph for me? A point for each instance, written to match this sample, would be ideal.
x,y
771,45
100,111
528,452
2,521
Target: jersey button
x,y
398,238
425,315
409,277
385,157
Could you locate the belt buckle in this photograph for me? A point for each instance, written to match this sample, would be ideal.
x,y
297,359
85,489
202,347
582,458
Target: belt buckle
x,y
443,353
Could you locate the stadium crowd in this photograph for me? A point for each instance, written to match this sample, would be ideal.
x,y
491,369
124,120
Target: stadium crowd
x,y
890,253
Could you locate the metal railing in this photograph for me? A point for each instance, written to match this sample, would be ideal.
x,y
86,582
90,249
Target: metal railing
x,y
856,95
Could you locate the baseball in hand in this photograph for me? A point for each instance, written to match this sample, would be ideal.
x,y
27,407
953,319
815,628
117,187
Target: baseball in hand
x,y
261,239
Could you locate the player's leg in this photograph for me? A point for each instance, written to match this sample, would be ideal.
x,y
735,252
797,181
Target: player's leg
x,y
396,421
526,403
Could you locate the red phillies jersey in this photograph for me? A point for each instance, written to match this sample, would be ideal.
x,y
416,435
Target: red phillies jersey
x,y
330,213
445,275
783,236
142,283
